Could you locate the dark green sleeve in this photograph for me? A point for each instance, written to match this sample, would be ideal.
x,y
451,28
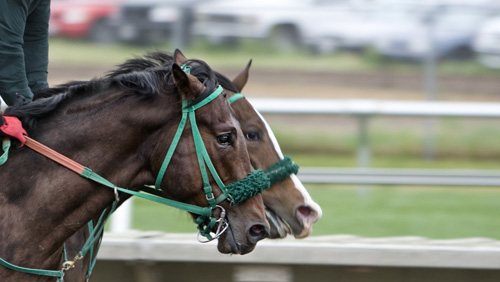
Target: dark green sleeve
x,y
23,48
36,44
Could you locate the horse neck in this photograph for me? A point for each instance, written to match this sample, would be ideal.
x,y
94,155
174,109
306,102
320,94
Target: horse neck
x,y
42,206
45,203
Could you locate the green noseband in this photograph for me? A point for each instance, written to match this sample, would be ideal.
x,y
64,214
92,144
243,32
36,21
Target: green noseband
x,y
276,173
281,170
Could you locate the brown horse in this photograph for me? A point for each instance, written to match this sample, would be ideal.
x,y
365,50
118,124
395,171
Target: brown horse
x,y
289,207
120,126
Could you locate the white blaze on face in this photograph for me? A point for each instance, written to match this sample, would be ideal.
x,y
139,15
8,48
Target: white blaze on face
x,y
308,201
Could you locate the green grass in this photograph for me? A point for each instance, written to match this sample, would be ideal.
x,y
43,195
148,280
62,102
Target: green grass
x,y
148,215
373,211
403,211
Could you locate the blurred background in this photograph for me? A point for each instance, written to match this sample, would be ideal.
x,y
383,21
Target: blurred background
x,y
431,51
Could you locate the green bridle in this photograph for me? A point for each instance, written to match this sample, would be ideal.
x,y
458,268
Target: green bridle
x,y
256,181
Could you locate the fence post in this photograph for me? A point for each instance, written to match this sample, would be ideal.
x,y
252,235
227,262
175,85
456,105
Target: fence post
x,y
121,220
182,28
364,152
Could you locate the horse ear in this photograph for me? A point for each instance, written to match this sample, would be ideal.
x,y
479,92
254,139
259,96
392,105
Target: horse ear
x,y
179,57
241,79
188,86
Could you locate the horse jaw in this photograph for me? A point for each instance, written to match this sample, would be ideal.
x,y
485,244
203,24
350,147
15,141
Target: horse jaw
x,y
228,244
243,234
231,243
279,229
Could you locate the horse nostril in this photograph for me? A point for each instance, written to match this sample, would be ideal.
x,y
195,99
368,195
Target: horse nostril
x,y
258,232
307,215
305,211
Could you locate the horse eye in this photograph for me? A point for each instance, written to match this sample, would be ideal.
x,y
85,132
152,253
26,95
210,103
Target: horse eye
x,y
252,136
225,139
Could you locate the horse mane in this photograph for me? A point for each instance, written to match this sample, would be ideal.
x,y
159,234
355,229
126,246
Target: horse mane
x,y
144,77
156,59
150,60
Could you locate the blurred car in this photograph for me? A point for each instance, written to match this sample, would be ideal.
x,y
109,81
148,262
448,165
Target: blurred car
x,y
360,26
283,22
450,28
152,21
84,19
487,43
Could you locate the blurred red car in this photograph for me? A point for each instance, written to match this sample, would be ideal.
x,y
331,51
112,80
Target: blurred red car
x,y
85,19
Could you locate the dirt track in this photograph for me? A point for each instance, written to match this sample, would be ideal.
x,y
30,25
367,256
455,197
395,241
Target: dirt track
x,y
333,85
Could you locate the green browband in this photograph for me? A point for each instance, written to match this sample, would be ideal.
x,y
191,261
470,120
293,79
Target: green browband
x,y
235,97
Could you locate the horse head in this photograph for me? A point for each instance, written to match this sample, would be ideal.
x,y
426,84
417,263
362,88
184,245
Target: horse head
x,y
289,207
185,179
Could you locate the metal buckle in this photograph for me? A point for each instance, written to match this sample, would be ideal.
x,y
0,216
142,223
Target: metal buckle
x,y
69,264
211,198
230,199
117,198
221,227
